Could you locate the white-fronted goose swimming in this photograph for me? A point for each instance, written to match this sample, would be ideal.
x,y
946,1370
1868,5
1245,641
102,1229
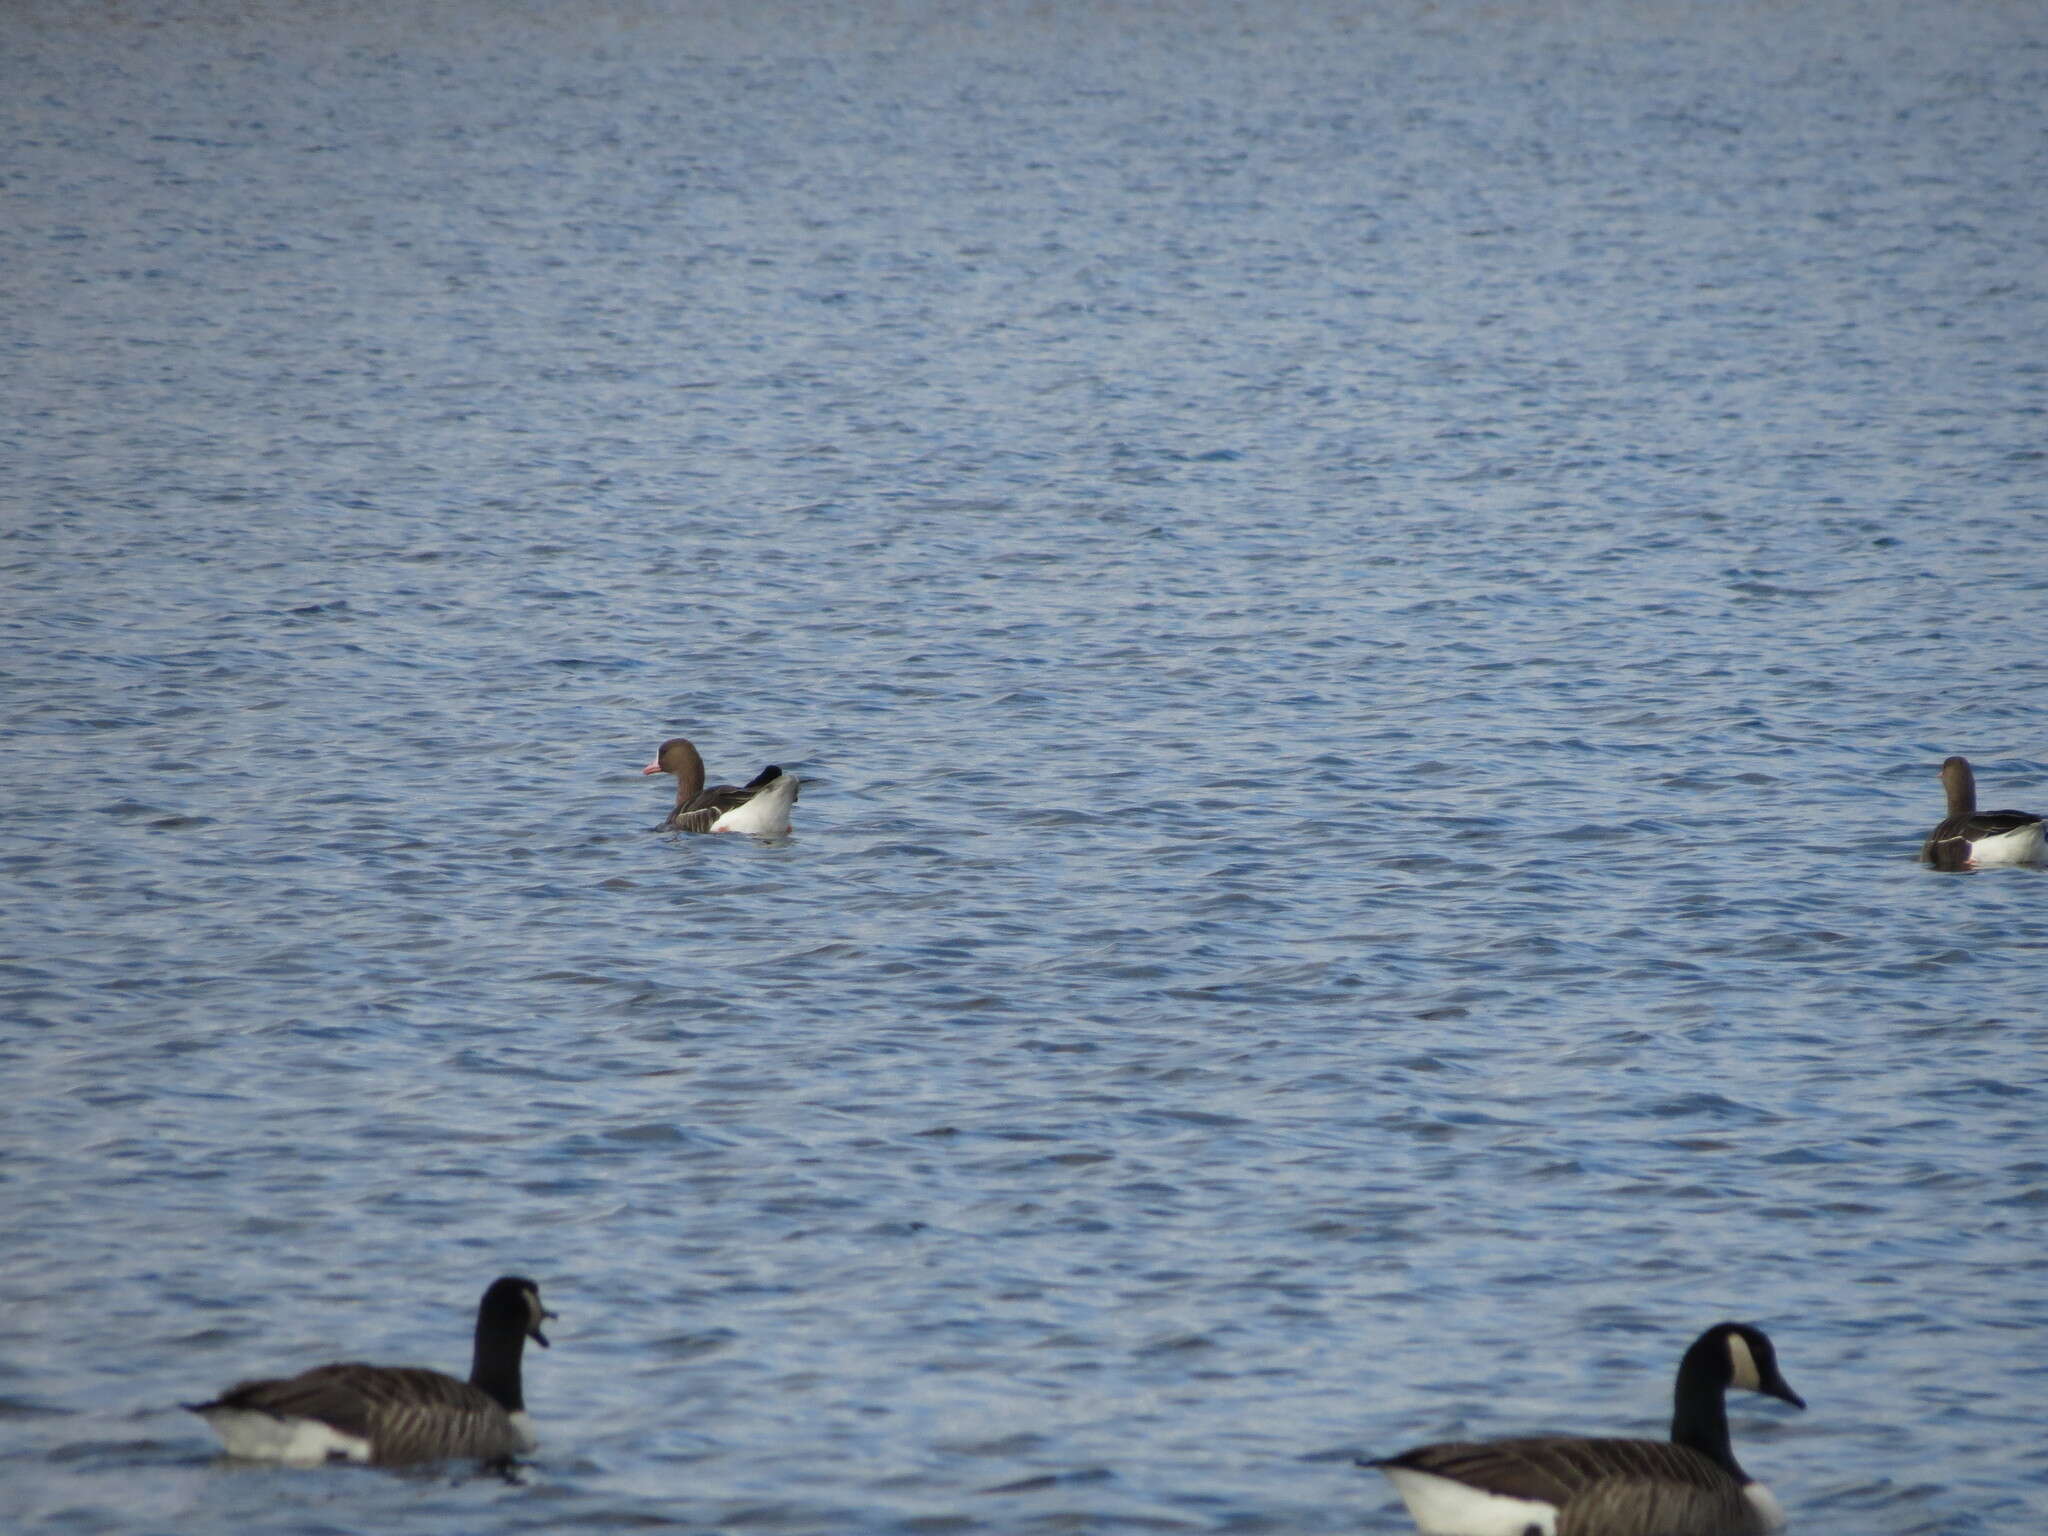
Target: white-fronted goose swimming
x,y
1969,838
395,1413
1689,1485
760,806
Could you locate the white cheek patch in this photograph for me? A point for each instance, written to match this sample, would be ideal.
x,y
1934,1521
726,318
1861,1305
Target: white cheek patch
x,y
1742,1365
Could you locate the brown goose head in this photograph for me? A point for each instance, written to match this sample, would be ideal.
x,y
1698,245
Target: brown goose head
x,y
680,758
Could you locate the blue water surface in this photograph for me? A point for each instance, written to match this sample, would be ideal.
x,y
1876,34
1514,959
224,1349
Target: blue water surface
x,y
1367,598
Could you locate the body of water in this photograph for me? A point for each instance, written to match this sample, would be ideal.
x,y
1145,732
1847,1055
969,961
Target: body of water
x,y
1368,601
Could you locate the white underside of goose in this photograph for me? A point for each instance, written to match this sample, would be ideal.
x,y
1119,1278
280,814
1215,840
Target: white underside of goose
x,y
766,814
2021,846
255,1436
259,1436
1443,1506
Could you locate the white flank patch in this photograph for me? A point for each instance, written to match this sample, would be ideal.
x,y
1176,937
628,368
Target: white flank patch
x,y
263,1437
1443,1506
2020,847
766,815
1767,1506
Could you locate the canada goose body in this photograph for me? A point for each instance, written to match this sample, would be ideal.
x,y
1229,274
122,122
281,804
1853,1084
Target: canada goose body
x,y
389,1414
1559,1485
1972,839
760,806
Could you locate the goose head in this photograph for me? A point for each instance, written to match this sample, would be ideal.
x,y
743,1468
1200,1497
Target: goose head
x,y
677,756
1738,1355
512,1306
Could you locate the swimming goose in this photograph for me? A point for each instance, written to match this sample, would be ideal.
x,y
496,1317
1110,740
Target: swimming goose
x,y
760,806
395,1413
1970,838
1689,1485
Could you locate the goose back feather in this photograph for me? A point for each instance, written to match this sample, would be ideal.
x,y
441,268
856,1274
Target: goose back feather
x,y
1553,1468
1582,1487
382,1413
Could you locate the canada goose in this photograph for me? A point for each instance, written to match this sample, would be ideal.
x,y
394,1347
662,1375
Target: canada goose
x,y
395,1413
760,806
1558,1485
1969,838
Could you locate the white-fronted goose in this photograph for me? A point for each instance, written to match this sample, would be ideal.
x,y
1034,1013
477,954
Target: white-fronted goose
x,y
1969,838
1689,1485
760,806
395,1413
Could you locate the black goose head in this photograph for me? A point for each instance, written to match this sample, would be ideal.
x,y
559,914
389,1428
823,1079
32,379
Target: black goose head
x,y
1726,1355
1748,1360
512,1306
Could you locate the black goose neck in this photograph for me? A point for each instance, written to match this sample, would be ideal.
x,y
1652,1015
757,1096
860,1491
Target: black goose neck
x,y
500,1344
1699,1412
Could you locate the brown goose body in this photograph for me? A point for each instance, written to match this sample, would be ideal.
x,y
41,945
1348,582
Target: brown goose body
x,y
1648,1487
1560,1485
761,805
1968,838
398,1413
390,1414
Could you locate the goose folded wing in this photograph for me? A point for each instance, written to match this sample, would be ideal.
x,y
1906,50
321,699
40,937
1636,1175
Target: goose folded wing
x,y
1998,823
405,1413
1660,1508
1948,845
1551,1470
707,805
339,1395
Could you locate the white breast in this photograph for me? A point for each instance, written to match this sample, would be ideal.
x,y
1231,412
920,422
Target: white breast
x,y
1767,1506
